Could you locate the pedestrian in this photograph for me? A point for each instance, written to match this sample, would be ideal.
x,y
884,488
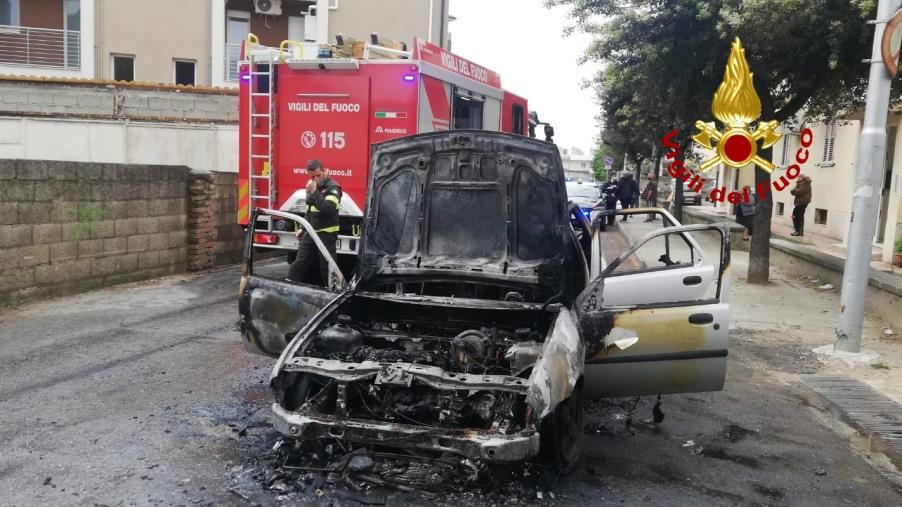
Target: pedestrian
x,y
610,202
745,213
323,205
802,193
627,192
650,194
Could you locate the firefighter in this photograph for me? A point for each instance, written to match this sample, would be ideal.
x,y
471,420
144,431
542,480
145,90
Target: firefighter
x,y
323,204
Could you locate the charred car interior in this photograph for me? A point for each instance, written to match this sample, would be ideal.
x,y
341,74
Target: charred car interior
x,y
477,317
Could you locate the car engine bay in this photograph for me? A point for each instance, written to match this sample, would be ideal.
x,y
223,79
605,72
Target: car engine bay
x,y
415,356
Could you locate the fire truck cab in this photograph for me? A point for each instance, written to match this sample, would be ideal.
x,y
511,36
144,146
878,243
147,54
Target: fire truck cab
x,y
298,102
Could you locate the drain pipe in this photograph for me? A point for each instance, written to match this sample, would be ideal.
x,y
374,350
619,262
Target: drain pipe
x,y
441,33
322,21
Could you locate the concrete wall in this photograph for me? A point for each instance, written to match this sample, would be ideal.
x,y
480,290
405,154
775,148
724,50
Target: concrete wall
x,y
119,124
68,227
155,33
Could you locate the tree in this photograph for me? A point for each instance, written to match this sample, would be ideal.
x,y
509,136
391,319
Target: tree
x,y
663,60
598,168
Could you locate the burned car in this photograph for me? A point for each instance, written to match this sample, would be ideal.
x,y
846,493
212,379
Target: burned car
x,y
477,318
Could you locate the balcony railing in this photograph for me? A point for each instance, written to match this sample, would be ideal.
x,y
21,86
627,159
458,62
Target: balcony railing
x,y
40,47
232,57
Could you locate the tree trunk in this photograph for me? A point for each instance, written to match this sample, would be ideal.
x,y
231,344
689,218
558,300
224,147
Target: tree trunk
x,y
759,250
678,185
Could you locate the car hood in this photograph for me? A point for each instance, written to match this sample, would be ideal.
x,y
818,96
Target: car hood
x,y
584,202
463,202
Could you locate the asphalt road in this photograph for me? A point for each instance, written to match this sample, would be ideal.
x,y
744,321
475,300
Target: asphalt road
x,y
142,394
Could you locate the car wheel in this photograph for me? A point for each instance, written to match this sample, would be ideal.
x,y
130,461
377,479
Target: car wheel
x,y
290,256
561,433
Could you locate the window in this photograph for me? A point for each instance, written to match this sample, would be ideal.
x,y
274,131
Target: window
x,y
780,209
517,119
184,72
9,12
73,36
820,216
467,110
237,27
829,142
123,67
789,144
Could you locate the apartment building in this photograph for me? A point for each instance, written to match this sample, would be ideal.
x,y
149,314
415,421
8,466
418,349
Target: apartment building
x,y
188,42
577,164
831,166
155,81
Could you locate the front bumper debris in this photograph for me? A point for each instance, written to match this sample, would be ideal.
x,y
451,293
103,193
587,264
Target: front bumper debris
x,y
474,444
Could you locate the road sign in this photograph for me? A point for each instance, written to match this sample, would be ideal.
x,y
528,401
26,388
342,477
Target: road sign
x,y
608,162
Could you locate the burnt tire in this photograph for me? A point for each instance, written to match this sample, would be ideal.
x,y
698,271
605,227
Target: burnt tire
x,y
561,434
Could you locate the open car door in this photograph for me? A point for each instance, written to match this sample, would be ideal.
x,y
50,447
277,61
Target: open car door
x,y
273,309
656,319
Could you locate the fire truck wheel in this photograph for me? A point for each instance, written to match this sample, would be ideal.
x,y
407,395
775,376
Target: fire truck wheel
x,y
290,256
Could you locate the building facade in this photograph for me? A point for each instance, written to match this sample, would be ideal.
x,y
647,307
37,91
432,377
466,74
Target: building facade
x,y
831,167
139,81
193,42
577,164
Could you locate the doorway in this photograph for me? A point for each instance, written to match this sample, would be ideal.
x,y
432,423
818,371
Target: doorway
x,y
885,185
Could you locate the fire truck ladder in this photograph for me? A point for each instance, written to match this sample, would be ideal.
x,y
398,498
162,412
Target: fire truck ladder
x,y
260,159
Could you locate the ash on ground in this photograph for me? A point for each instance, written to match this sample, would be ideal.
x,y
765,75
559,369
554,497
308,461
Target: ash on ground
x,y
326,471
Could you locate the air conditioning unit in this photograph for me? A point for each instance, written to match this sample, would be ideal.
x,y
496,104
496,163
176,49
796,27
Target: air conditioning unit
x,y
268,7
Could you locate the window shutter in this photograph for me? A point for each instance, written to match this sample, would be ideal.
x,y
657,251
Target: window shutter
x,y
784,157
829,142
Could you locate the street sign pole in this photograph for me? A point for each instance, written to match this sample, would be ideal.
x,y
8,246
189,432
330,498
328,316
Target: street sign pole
x,y
871,157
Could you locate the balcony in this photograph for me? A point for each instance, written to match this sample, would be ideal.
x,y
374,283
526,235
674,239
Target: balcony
x,y
232,57
40,47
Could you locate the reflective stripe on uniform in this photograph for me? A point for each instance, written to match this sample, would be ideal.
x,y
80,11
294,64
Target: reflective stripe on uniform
x,y
334,228
312,209
334,200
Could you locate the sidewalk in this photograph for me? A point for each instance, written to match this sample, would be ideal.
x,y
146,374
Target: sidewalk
x,y
825,244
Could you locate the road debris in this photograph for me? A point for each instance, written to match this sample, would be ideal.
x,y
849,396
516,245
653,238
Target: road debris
x,y
826,286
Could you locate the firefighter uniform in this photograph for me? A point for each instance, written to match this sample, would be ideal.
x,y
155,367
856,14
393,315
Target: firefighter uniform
x,y
323,205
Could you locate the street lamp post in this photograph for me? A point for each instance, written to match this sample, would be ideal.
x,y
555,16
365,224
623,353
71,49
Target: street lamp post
x,y
871,157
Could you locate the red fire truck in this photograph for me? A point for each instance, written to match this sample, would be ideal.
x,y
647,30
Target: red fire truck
x,y
295,106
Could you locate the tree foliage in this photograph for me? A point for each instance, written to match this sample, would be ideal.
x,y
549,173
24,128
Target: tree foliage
x,y
662,61
598,169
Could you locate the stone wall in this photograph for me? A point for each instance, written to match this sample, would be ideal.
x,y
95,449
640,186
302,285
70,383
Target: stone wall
x,y
228,241
68,227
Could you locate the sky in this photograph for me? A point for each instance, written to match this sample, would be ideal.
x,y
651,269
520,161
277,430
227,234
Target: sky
x,y
523,41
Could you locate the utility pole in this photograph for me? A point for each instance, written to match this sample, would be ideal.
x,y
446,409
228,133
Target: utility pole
x,y
871,157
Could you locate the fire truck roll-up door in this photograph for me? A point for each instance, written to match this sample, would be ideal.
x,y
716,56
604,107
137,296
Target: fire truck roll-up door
x,y
448,101
324,116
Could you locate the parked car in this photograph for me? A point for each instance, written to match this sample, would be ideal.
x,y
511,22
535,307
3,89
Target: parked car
x,y
691,197
475,322
584,195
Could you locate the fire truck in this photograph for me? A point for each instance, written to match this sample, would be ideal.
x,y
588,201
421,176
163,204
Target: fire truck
x,y
299,102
